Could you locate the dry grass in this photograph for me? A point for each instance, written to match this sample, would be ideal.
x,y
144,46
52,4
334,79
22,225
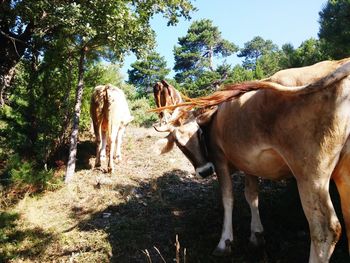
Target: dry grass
x,y
136,214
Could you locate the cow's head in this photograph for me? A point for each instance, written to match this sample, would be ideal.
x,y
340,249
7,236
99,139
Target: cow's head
x,y
157,87
185,130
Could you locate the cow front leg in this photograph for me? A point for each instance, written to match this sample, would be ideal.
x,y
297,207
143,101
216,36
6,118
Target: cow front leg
x,y
224,246
341,177
324,225
251,192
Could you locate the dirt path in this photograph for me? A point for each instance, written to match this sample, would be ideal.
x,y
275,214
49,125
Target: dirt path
x,y
135,214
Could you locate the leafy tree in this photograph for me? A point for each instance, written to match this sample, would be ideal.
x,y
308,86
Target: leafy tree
x,y
254,49
288,59
239,74
267,65
146,72
309,52
82,31
20,22
195,55
38,116
110,29
335,28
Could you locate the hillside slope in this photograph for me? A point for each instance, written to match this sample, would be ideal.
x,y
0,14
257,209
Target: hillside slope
x,y
135,214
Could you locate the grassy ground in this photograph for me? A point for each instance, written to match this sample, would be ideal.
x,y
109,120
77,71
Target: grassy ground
x,y
136,214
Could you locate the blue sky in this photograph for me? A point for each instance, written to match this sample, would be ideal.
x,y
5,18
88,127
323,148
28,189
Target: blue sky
x,y
240,21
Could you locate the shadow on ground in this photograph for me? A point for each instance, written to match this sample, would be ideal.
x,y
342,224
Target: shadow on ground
x,y
36,240
86,150
174,204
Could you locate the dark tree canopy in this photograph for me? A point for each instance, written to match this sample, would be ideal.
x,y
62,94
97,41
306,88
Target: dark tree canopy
x,y
147,71
254,49
202,43
335,28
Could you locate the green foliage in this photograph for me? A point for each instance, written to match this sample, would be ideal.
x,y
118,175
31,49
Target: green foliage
x,y
195,55
23,173
146,72
139,108
194,58
308,53
335,28
239,74
254,49
7,222
202,86
267,65
39,111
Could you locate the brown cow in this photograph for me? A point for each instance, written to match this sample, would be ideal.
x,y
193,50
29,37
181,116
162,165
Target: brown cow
x,y
272,131
110,115
165,95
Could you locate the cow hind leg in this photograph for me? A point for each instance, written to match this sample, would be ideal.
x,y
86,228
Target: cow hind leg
x,y
118,153
341,177
323,223
103,146
98,153
251,191
112,136
98,135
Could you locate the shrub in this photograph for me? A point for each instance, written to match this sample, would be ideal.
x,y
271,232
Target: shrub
x,y
139,108
24,175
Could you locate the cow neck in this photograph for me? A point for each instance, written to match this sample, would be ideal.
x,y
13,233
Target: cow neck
x,y
203,135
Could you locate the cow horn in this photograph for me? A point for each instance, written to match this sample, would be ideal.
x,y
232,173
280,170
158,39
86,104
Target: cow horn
x,y
163,128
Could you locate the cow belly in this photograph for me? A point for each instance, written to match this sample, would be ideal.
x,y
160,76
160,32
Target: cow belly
x,y
266,163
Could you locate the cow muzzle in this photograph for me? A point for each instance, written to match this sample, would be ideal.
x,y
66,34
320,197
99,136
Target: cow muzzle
x,y
205,170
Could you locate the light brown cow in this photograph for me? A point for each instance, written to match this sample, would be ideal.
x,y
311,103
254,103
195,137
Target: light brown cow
x,y
165,95
306,75
272,131
110,115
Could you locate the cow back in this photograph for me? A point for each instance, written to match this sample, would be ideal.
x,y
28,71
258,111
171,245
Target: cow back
x,y
118,109
306,75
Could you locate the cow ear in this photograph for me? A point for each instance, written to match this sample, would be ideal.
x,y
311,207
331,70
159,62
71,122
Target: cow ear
x,y
203,118
165,83
165,145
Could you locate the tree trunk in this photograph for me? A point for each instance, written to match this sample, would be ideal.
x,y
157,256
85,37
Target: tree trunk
x,y
76,118
63,134
12,48
30,113
211,55
5,82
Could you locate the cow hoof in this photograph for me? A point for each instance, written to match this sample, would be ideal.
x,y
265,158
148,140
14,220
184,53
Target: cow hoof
x,y
98,168
257,240
223,252
117,158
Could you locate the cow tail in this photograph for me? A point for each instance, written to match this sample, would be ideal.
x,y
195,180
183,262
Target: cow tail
x,y
106,108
